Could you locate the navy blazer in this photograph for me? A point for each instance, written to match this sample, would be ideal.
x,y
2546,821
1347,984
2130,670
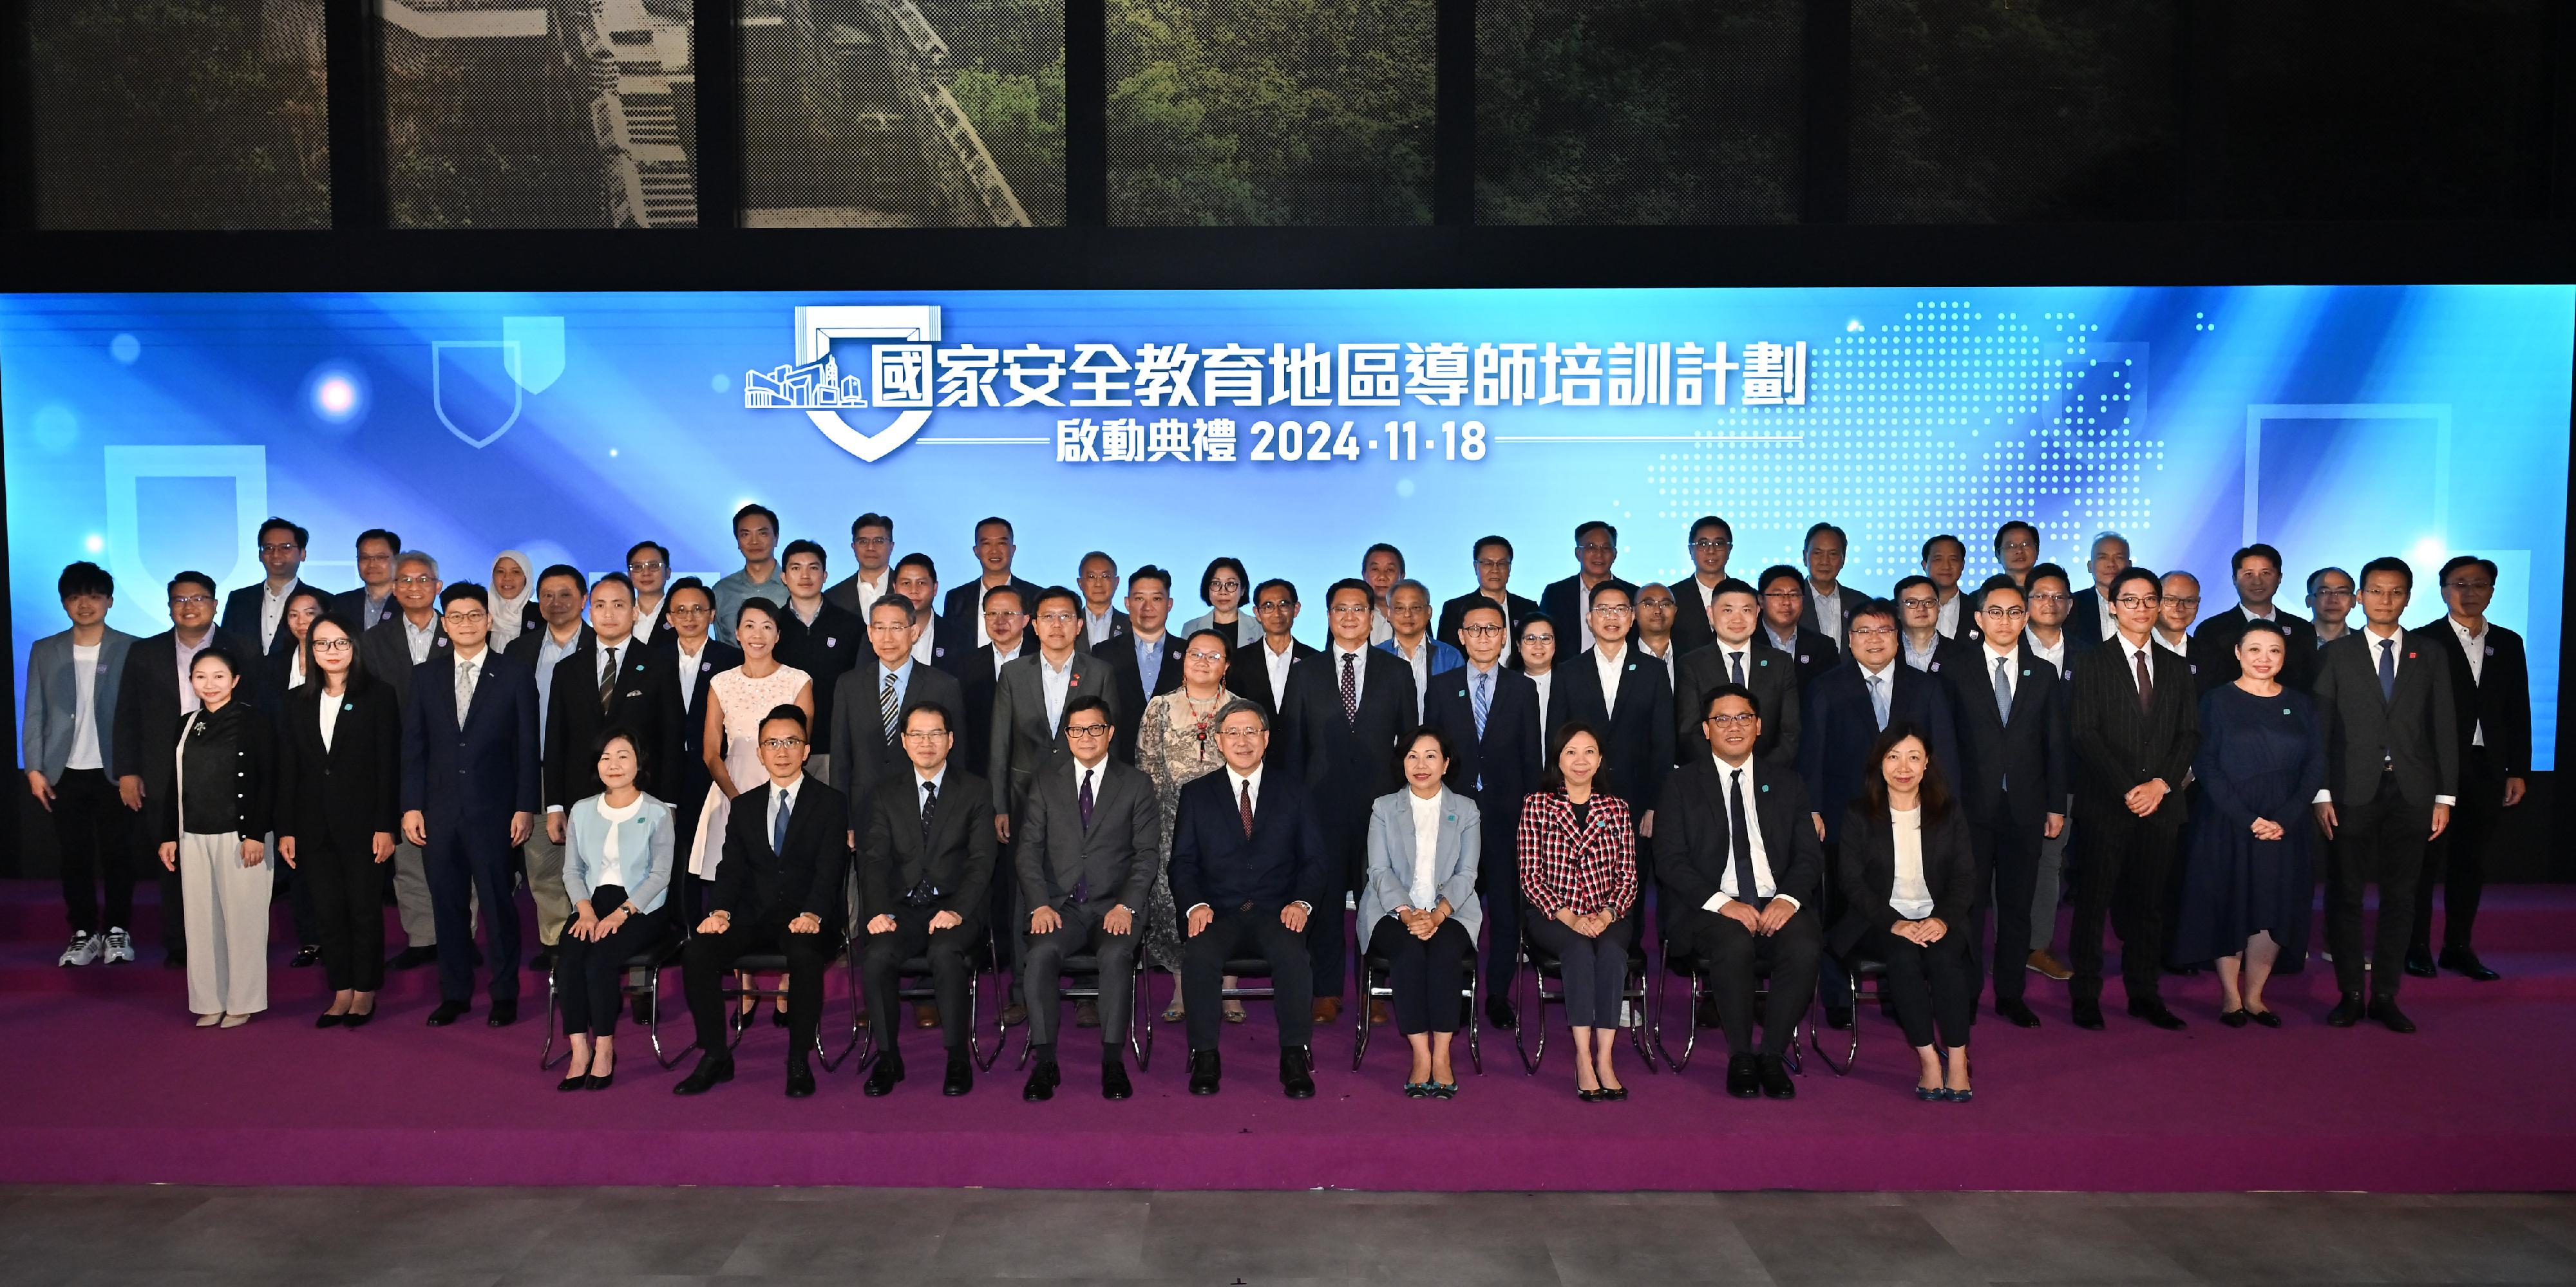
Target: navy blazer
x,y
1247,674
478,775
1283,860
1453,615
953,630
2498,696
1566,603
147,709
713,660
2029,755
1841,726
1500,768
1348,764
1637,735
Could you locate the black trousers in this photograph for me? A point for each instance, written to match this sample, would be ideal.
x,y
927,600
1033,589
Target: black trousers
x,y
1002,907
462,869
1043,957
1932,988
1250,931
1595,970
1498,889
347,888
92,828
2458,861
1732,952
2379,841
881,971
1328,938
589,977
1833,977
710,957
2007,878
1426,974
2125,864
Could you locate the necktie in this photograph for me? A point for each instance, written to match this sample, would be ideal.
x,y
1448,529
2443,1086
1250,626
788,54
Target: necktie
x,y
1741,837
2003,690
1878,700
1082,883
2388,670
778,823
1484,701
2146,685
886,708
929,802
608,680
1350,690
466,674
1735,665
1247,807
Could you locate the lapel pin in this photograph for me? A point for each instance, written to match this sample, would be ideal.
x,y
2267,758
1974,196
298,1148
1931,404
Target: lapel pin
x,y
830,642
2490,651
1766,789
348,706
2285,710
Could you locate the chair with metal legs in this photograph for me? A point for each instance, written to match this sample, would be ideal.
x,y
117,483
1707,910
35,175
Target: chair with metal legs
x,y
913,983
1375,974
1083,971
1685,963
1537,967
645,992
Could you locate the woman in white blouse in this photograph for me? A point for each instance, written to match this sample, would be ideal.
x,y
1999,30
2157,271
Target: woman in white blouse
x,y
1907,874
617,867
1419,906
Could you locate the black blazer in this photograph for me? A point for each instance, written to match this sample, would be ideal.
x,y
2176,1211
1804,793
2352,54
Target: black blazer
x,y
254,765
1691,630
1453,614
1118,853
713,660
523,649
645,698
860,751
976,684
1346,764
1127,683
1693,848
826,650
478,775
241,616
1852,601
1865,873
1247,675
2213,648
1565,603
341,796
769,887
2029,755
1815,654
2117,746
2499,698
2084,616
957,855
1769,672
2418,732
1840,726
1500,768
954,631
1283,860
1637,737
386,651
146,740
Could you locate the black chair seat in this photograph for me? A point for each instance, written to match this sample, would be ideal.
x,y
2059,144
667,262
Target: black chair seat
x,y
1548,966
1248,967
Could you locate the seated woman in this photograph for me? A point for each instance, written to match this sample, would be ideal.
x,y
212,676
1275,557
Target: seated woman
x,y
1578,860
618,850
1906,874
1420,897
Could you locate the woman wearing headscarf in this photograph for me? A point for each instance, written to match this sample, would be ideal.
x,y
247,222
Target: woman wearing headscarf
x,y
514,598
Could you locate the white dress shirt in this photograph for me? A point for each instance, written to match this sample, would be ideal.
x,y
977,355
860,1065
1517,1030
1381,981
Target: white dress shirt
x,y
1829,610
188,658
611,870
1001,658
1420,660
1764,885
330,707
1948,622
1911,895
272,613
647,620
2182,649
420,637
782,799
1333,654
1277,663
2475,645
2053,656
1544,682
1610,666
1668,656
688,668
1424,891
1054,682
2371,636
1096,630
2012,670
925,649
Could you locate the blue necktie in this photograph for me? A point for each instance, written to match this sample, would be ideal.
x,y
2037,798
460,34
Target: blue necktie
x,y
2388,670
1878,700
1735,663
778,825
1484,701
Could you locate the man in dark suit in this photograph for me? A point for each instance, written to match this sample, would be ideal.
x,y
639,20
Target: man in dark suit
x,y
2136,723
1919,640
1739,862
1259,670
1493,556
817,636
257,612
980,674
609,682
1489,712
1090,833
697,657
926,861
152,695
2257,571
1945,560
2051,641
1567,602
411,632
1712,543
2491,701
1738,655
1830,604
872,546
1784,597
1625,696
1029,700
1344,718
2392,778
2016,552
2012,783
1102,619
1144,658
2087,618
1250,874
777,889
373,600
867,731
470,791
966,630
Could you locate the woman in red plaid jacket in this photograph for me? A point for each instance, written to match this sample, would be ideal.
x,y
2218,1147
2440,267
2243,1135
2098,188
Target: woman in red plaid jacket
x,y
1578,853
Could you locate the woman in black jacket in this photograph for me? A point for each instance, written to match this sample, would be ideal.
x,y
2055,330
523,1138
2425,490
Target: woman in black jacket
x,y
338,804
212,826
1907,875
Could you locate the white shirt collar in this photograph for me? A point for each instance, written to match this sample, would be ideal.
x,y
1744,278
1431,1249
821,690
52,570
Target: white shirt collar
x,y
1239,781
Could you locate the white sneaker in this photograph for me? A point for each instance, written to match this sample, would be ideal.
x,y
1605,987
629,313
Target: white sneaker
x,y
120,947
83,951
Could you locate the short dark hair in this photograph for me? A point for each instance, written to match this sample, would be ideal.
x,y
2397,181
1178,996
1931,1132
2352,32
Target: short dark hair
x,y
1779,572
2134,572
464,590
871,519
984,601
1008,532
1999,584
1945,536
1933,796
1149,572
899,602
634,742
917,559
1708,701
1102,555
393,541
756,510
2264,625
1874,608
1907,582
1551,777
693,583
1593,596
84,577
2042,571
2312,577
1404,746
1280,581
1383,548
1065,593
1480,603
614,578
2387,563
281,525
1707,521
1214,564
2236,561
1595,525
789,711
1225,641
947,717
1367,592
761,605
2465,561
1732,585
2007,529
802,546
1483,541
1090,702
579,582
192,576
1817,529
658,548
222,650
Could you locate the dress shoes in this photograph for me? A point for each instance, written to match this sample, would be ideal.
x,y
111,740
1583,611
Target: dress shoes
x,y
328,1020
711,1072
2016,1010
447,1012
2046,965
1086,1013
2267,1018
600,1081
412,957
1043,1079
1296,1074
1706,1015
883,1076
2460,960
1328,1010
356,1018
961,1075
305,956
578,1081
1113,1079
1774,1076
1499,1012
800,1077
2389,1016
504,1013
1380,1013
2234,1018
1204,1072
2154,1011
925,1016
1014,1014
1743,1076
2419,962
2346,1012
175,959
2088,1015
1838,1017
544,960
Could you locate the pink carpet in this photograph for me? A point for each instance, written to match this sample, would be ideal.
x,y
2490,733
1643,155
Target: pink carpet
x,y
108,1083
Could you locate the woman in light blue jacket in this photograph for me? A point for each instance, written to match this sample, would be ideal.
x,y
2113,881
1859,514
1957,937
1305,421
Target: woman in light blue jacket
x,y
1420,904
617,867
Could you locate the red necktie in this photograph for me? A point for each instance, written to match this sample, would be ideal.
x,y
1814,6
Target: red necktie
x,y
1247,808
2146,685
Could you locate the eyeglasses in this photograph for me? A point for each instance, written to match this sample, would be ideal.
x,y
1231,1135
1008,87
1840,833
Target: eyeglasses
x,y
1595,547
1348,609
924,735
1613,609
1202,655
1918,603
186,600
686,610
1235,731
278,547
1004,614
1730,721
1274,605
1480,631
1537,639
1643,604
468,617
415,580
871,542
1712,544
1858,631
1409,609
655,566
1784,594
2047,597
1493,563
1086,730
2009,614
1059,618
365,559
332,645
2387,592
2472,585
780,743
2136,601
2190,602
2018,547
1225,587
889,627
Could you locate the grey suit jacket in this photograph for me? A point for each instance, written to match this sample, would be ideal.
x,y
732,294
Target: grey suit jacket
x,y
53,701
2418,732
1455,854
1023,738
1117,854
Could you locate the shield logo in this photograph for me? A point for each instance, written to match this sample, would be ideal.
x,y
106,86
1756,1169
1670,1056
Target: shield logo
x,y
181,506
476,394
818,326
541,350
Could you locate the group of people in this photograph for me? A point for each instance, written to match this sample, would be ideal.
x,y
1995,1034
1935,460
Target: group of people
x,y
1776,784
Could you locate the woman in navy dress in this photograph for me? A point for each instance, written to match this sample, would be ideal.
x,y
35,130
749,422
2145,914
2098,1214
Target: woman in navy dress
x,y
2248,892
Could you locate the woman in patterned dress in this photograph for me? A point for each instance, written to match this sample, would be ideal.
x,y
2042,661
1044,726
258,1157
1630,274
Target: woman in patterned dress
x,y
1175,743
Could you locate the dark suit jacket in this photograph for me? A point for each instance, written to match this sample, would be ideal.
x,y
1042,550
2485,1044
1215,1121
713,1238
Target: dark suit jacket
x,y
763,886
964,606
1453,614
385,650
844,593
241,615
2213,648
1283,861
713,660
2418,732
1865,873
1840,726
645,698
352,604
2029,755
1248,675
524,648
145,741
1693,845
860,751
1564,603
2084,616
826,650
476,776
2118,746
1501,767
1769,672
1127,683
1691,631
2498,697
1813,652
1852,601
344,795
1118,853
1023,737
957,855
977,681
1345,764
1637,736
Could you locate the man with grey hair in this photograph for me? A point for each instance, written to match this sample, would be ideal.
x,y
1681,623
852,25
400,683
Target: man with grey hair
x,y
2108,558
409,634
1408,608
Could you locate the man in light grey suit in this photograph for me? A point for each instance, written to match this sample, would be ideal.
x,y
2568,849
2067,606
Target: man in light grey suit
x,y
1089,832
67,751
1029,699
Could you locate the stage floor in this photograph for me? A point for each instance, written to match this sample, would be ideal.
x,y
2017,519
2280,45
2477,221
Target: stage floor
x,y
111,1084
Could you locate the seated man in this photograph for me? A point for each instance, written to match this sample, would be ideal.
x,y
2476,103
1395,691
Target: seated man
x,y
925,862
777,889
1090,829
1248,869
1739,861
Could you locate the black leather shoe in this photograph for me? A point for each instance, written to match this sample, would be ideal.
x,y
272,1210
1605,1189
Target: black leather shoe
x,y
578,1081
1706,1016
1043,1079
600,1081
1774,1076
2154,1011
2346,1012
2017,1010
800,1077
1743,1076
2267,1018
2460,960
354,1019
305,956
504,1013
2419,962
1113,1080
777,1017
2390,1017
960,1078
447,1012
1294,1077
1203,1072
543,961
2233,1018
329,1020
712,1071
1499,1012
412,957
1086,1013
2088,1015
1838,1017
882,1077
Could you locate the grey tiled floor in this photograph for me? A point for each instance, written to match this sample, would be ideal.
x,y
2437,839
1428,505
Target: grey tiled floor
x,y
138,1237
